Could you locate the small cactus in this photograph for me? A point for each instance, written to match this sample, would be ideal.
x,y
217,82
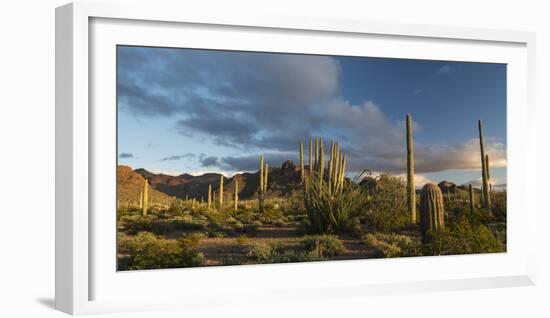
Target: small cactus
x,y
432,210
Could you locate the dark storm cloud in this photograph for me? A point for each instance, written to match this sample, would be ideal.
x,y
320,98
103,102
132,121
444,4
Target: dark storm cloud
x,y
125,155
268,103
178,157
209,161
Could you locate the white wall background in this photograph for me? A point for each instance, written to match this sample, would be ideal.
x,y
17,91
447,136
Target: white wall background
x,y
27,158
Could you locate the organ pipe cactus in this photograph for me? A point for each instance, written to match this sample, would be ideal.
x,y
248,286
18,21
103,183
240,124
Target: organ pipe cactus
x,y
145,197
411,195
432,210
484,173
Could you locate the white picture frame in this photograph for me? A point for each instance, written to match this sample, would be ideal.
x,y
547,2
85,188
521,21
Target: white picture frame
x,y
85,284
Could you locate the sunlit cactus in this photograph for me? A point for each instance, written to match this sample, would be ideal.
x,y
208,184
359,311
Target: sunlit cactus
x,y
310,157
221,191
145,197
236,194
432,210
411,194
263,184
209,196
472,203
484,169
302,172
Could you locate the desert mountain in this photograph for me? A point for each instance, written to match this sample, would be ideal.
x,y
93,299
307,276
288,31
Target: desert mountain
x,y
282,182
130,184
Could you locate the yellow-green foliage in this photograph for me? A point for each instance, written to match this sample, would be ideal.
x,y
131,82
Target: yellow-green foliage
x,y
392,245
147,251
323,245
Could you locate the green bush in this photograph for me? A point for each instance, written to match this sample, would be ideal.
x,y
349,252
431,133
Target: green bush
x,y
463,238
151,223
266,253
392,245
386,207
147,251
323,245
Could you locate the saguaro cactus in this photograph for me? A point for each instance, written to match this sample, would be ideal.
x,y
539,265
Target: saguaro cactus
x,y
209,196
302,172
141,199
145,197
221,191
472,203
411,195
321,163
484,173
263,184
236,194
432,210
310,158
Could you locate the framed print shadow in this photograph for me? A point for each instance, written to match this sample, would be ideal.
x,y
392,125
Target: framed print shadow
x,y
251,158
234,157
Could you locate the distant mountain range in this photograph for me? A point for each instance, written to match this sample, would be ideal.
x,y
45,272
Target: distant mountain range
x,y
283,181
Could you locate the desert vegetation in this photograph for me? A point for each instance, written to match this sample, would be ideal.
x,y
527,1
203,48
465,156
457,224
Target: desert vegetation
x,y
314,210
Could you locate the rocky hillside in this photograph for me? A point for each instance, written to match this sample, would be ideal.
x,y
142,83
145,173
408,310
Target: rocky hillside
x,y
130,184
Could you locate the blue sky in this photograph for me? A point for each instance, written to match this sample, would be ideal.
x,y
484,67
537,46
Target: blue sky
x,y
196,111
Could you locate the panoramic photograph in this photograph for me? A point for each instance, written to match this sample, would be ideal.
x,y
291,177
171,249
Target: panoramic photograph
x,y
241,158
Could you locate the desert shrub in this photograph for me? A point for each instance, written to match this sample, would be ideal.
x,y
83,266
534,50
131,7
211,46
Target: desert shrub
x,y
499,206
243,240
392,245
463,238
271,215
269,253
279,223
151,223
147,251
238,226
386,207
333,213
323,245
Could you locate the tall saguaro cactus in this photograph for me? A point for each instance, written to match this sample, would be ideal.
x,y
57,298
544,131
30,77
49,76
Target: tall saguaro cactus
x,y
310,157
411,195
236,194
263,184
472,203
432,210
302,172
221,191
145,197
484,169
209,196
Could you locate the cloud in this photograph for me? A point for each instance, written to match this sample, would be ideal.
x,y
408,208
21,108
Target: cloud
x,y
178,157
267,103
497,183
126,155
208,161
